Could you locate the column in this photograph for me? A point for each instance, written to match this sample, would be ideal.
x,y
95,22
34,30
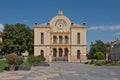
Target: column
x,y
50,56
57,51
69,60
63,53
57,39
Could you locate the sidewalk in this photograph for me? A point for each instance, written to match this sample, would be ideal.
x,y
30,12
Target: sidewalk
x,y
64,71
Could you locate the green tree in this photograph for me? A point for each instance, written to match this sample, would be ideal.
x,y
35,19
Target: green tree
x,y
99,55
16,38
98,46
1,46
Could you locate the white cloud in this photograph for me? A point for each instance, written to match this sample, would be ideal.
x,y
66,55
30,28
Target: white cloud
x,y
1,27
105,28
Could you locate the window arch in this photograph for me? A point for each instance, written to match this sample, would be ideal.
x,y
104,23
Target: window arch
x,y
78,38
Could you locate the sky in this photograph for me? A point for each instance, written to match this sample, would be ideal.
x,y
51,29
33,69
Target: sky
x,y
102,16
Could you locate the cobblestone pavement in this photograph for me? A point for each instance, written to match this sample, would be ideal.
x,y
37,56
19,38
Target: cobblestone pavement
x,y
64,71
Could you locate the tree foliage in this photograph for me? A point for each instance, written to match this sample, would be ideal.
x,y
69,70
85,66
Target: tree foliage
x,y
0,45
99,55
98,46
17,39
13,59
1,48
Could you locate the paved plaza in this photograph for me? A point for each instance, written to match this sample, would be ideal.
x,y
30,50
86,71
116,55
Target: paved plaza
x,y
64,71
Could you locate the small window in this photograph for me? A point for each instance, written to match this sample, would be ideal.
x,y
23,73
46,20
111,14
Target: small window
x,y
66,39
60,39
54,39
78,38
42,38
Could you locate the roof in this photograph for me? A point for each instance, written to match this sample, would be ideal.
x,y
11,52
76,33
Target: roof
x,y
44,24
61,16
75,24
113,43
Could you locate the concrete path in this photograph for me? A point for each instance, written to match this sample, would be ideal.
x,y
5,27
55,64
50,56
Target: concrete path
x,y
64,71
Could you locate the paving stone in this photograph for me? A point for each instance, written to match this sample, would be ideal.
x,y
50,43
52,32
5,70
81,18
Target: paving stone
x,y
64,71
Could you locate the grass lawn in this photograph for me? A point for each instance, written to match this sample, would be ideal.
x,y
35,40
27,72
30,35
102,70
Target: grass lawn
x,y
2,65
103,63
25,63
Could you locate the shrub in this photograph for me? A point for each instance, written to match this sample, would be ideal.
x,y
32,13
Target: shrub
x,y
103,62
25,63
2,65
87,62
99,62
13,59
108,62
35,59
42,59
31,59
99,55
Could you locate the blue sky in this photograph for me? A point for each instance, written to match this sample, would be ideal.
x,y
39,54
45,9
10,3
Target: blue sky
x,y
102,16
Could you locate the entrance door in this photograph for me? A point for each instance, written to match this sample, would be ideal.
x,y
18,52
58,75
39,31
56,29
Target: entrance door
x,y
59,55
54,52
78,54
66,54
60,52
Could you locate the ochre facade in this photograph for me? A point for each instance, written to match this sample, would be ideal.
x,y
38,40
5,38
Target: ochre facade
x,y
60,39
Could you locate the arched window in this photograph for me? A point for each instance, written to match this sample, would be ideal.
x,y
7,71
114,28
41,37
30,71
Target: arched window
x,y
42,53
66,52
60,52
42,38
66,39
78,54
60,39
78,38
54,39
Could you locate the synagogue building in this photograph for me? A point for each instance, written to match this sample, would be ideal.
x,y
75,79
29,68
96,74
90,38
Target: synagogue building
x,y
60,39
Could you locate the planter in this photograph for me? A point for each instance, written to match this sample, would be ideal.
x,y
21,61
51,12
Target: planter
x,y
41,64
25,68
12,67
15,68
